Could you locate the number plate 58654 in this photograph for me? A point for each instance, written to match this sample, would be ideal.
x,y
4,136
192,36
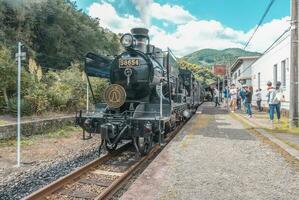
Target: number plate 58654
x,y
123,63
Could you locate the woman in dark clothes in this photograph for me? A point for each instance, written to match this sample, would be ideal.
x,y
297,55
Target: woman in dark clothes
x,y
248,94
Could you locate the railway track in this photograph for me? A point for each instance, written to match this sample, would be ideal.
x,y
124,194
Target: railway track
x,y
101,178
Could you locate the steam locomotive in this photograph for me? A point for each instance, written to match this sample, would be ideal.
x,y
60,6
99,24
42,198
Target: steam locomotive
x,y
148,96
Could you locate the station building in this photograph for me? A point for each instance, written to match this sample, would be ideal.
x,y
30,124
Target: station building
x,y
273,65
241,71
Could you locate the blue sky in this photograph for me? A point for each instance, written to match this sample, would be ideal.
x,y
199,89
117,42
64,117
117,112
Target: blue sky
x,y
228,22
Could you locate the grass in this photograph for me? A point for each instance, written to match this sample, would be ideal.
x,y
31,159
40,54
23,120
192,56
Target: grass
x,y
25,141
64,132
2,122
283,127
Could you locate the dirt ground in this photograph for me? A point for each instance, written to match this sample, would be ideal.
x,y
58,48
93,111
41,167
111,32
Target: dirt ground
x,y
9,119
43,148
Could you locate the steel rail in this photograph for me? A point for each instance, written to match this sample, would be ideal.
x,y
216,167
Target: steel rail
x,y
69,178
118,183
115,185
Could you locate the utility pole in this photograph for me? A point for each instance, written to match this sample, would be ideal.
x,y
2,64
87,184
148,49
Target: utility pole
x,y
218,87
19,57
223,86
293,112
19,107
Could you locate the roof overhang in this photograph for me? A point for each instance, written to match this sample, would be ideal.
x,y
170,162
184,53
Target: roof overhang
x,y
240,60
244,78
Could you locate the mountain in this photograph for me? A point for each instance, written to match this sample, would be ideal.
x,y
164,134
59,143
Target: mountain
x,y
209,57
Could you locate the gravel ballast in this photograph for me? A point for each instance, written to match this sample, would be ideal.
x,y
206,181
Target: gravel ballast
x,y
17,183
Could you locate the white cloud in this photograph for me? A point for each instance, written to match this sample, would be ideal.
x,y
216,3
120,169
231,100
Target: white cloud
x,y
144,9
191,34
109,18
171,13
268,33
196,35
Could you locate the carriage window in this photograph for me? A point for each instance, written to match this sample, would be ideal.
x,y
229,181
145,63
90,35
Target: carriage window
x,y
283,73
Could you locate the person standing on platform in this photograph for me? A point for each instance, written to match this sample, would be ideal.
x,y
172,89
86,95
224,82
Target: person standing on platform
x,y
238,99
273,103
233,96
280,98
242,97
248,100
225,96
216,97
258,95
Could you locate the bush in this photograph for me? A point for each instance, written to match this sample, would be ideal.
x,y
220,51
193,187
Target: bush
x,y
37,95
65,94
26,108
98,86
3,106
62,91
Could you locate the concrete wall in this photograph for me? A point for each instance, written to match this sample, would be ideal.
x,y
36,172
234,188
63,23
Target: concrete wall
x,y
265,65
35,127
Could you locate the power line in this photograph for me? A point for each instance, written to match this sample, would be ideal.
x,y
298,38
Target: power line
x,y
260,23
285,32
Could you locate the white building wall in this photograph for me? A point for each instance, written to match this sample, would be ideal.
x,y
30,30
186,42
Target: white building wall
x,y
244,70
265,65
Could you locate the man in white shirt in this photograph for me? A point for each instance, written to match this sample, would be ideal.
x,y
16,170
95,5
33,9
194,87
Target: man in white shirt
x,y
258,95
216,96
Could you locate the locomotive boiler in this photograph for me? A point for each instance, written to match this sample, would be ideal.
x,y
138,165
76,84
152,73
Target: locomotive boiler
x,y
147,97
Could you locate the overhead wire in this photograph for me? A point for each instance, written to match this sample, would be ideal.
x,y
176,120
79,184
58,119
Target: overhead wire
x,y
260,23
254,32
284,33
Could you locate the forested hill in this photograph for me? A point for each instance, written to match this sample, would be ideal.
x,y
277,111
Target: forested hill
x,y
55,35
209,57
54,31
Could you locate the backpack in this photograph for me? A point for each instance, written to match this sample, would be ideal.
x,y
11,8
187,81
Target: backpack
x,y
279,97
272,97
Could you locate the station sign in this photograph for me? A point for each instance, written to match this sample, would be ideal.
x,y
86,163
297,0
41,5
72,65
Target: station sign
x,y
219,70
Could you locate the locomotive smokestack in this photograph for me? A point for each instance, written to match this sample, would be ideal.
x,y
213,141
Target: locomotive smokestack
x,y
142,38
143,32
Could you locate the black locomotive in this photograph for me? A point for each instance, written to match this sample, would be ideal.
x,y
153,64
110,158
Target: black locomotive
x,y
147,97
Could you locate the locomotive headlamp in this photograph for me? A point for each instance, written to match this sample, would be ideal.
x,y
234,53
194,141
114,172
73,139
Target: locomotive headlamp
x,y
127,40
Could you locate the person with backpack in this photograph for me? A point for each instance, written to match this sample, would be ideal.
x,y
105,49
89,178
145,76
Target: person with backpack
x,y
273,102
280,98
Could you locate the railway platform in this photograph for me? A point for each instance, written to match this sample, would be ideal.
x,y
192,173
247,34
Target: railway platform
x,y
215,156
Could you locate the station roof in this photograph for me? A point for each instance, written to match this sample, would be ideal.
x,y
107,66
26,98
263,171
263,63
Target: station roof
x,y
241,59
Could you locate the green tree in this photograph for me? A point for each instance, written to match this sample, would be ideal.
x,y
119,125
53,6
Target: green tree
x,y
201,73
8,72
